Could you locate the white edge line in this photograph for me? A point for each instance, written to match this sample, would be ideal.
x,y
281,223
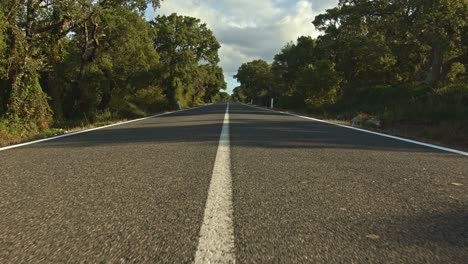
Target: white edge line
x,y
368,131
94,129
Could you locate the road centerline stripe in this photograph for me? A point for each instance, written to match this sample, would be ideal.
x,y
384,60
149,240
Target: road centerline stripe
x,y
216,239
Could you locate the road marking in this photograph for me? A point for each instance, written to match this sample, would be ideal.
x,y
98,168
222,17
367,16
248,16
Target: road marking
x,y
370,132
216,242
93,129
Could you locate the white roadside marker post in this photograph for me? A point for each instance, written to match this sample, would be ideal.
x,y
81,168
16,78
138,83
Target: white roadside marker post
x,y
272,101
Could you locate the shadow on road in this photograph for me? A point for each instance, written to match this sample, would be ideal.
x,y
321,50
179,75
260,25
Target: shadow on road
x,y
249,128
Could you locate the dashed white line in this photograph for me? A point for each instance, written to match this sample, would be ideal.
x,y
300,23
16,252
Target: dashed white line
x,y
216,240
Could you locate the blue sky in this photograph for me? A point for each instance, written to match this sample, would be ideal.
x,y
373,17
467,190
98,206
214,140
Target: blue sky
x,y
250,29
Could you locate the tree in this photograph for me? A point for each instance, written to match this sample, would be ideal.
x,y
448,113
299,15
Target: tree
x,y
209,83
407,40
184,44
353,42
127,59
221,97
239,94
319,84
256,78
91,34
440,25
293,58
35,30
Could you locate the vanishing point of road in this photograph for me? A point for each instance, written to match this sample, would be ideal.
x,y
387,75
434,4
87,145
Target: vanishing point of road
x,y
232,183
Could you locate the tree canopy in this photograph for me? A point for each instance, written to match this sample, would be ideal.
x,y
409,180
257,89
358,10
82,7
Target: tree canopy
x,y
75,60
189,58
366,45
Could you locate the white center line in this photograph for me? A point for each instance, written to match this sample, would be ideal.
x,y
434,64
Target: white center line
x,y
216,242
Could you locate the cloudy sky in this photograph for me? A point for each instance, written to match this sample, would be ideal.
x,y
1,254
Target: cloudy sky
x,y
250,29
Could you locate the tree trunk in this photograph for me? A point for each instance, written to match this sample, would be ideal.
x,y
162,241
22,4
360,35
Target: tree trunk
x,y
434,72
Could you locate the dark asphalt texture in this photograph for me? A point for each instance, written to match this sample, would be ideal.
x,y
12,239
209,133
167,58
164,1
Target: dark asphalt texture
x,y
133,193
303,192
309,192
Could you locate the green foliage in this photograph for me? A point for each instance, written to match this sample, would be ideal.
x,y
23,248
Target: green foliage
x,y
28,107
239,94
209,82
127,49
415,40
414,102
293,59
125,62
257,79
319,84
151,100
398,60
3,27
78,62
122,106
4,86
189,58
456,72
221,97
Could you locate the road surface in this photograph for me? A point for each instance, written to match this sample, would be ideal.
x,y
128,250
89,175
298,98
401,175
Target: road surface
x,y
246,185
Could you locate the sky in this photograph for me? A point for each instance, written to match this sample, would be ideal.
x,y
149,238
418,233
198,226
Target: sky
x,y
249,29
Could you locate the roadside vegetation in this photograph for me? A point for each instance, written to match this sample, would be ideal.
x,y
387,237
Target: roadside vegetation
x,y
68,64
401,62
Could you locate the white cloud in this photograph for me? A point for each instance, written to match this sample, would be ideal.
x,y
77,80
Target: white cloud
x,y
250,29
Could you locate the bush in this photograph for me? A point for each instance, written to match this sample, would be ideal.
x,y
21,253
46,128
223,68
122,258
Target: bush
x,y
413,102
145,101
29,109
122,107
12,133
151,99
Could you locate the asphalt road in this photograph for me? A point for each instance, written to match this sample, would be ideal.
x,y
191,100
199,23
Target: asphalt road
x,y
302,192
